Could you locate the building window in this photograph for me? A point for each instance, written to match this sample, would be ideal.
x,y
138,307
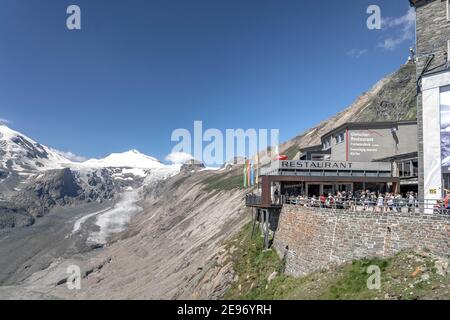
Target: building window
x,y
320,157
408,169
340,137
327,143
415,165
317,157
400,170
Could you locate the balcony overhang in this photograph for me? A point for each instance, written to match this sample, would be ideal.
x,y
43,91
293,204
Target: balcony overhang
x,y
329,169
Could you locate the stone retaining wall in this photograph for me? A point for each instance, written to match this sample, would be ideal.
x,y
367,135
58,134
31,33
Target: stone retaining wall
x,y
317,238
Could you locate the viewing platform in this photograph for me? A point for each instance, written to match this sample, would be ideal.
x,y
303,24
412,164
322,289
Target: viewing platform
x,y
254,201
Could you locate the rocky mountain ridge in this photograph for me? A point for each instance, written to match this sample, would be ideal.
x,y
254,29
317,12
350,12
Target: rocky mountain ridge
x,y
35,178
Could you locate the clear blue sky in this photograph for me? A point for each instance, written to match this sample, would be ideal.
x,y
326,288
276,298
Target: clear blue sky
x,y
139,69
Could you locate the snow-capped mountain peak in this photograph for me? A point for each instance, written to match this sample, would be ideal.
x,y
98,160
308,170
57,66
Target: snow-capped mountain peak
x,y
22,156
128,159
21,153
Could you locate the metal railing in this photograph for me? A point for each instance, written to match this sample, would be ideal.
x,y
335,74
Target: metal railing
x,y
252,200
398,205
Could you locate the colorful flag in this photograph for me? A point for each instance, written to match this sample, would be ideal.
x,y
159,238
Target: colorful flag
x,y
257,169
252,174
245,175
248,173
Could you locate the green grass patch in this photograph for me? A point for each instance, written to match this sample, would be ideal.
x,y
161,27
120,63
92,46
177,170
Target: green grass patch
x,y
180,182
252,264
224,181
352,282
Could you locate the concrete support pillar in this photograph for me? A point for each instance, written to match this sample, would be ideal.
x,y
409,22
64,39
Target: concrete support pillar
x,y
266,229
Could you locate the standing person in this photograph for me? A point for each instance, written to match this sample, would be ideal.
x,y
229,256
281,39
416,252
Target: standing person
x,y
446,203
364,200
386,198
397,200
301,201
439,207
339,200
373,201
345,204
313,201
277,196
328,201
390,202
351,201
380,202
322,199
411,202
331,201
367,200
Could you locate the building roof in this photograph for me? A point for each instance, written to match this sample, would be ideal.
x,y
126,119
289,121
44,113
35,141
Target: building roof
x,y
403,156
311,148
443,68
416,3
375,124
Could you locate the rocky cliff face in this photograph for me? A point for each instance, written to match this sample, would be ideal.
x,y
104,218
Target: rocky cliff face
x,y
39,193
167,248
12,217
57,187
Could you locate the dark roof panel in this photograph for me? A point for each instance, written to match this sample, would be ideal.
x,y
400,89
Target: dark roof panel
x,y
416,3
312,148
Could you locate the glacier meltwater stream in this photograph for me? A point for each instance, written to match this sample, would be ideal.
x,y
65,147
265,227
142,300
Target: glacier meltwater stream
x,y
113,220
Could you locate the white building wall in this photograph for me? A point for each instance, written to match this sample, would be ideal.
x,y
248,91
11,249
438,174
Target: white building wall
x,y
431,105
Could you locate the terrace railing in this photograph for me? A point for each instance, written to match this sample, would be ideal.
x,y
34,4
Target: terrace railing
x,y
399,205
252,200
402,205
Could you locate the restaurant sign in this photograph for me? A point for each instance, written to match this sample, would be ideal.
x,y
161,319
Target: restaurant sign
x,y
334,165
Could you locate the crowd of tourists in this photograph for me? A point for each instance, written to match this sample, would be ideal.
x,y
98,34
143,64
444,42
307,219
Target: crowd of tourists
x,y
359,201
443,206
364,200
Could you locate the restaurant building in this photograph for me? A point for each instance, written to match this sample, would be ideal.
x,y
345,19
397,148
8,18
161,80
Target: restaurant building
x,y
376,156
